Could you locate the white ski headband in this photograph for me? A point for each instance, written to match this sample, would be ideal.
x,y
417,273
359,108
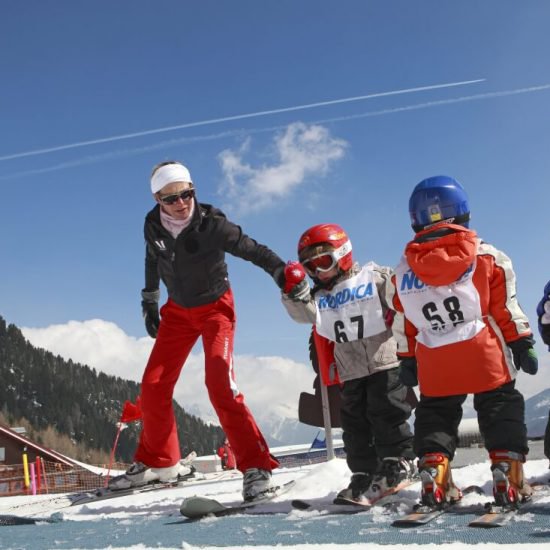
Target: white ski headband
x,y
169,173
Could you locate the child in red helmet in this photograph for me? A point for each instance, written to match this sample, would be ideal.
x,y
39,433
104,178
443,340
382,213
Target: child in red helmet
x,y
460,330
351,331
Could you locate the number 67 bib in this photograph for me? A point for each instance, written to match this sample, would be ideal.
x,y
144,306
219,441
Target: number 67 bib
x,y
351,310
442,314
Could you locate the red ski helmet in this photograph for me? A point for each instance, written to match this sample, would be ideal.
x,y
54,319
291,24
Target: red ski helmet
x,y
324,246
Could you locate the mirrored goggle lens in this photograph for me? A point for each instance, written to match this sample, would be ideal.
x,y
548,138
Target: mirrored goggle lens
x,y
184,195
324,262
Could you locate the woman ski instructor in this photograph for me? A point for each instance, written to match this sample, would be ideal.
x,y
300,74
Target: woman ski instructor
x,y
186,242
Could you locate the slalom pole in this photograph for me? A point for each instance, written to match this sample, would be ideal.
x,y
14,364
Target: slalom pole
x,y
26,468
43,462
33,479
121,426
326,420
38,475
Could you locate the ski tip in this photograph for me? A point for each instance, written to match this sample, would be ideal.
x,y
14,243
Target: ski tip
x,y
490,521
300,504
417,518
16,520
196,507
28,520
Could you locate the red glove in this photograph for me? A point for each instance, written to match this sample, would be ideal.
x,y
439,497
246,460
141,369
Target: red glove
x,y
294,274
296,286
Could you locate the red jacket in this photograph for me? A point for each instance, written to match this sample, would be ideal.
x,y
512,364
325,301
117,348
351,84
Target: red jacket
x,y
479,359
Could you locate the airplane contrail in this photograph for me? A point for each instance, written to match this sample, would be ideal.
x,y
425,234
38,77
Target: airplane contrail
x,y
235,117
245,132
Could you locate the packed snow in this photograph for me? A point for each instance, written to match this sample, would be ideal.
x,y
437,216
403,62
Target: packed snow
x,y
152,520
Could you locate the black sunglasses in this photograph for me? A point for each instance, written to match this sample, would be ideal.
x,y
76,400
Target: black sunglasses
x,y
184,195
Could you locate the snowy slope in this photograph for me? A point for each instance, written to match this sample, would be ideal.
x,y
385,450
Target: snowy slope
x,y
153,521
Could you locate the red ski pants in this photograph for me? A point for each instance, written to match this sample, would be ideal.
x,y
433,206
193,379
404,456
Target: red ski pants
x,y
179,330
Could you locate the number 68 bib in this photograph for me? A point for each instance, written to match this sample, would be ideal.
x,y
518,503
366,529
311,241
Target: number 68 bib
x,y
442,314
351,310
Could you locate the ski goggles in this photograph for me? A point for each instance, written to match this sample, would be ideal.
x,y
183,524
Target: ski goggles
x,y
172,199
325,261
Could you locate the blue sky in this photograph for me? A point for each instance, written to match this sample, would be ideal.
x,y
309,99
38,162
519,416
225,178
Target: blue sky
x,y
78,72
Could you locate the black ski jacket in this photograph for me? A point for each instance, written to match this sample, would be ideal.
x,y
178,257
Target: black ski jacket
x,y
192,266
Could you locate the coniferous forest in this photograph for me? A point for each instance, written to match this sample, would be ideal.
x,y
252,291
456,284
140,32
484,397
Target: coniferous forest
x,y
74,409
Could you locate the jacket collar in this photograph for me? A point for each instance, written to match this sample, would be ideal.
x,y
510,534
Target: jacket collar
x,y
442,254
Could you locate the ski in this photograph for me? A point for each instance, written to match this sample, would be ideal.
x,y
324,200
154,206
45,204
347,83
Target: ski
x,y
422,514
8,519
327,507
196,507
341,505
493,519
499,516
28,512
369,501
104,493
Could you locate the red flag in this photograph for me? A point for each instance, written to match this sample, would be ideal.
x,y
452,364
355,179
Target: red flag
x,y
131,412
325,357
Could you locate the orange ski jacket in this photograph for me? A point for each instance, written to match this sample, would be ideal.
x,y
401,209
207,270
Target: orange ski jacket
x,y
461,292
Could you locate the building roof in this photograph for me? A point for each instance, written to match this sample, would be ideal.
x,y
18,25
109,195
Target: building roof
x,y
44,452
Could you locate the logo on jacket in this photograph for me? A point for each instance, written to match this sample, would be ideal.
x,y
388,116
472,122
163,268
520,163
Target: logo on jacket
x,y
160,245
334,301
411,282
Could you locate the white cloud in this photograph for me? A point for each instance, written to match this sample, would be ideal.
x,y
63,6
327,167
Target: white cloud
x,y
271,385
96,343
300,152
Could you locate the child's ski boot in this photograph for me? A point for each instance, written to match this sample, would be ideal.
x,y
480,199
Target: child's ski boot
x,y
357,490
393,474
438,488
509,485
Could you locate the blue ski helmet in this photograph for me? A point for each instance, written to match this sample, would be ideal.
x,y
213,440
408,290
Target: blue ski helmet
x,y
438,199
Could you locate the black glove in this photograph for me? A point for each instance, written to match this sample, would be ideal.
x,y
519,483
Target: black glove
x,y
525,356
150,310
407,371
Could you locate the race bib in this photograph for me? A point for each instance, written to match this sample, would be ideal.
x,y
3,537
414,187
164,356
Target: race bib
x,y
442,314
351,310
